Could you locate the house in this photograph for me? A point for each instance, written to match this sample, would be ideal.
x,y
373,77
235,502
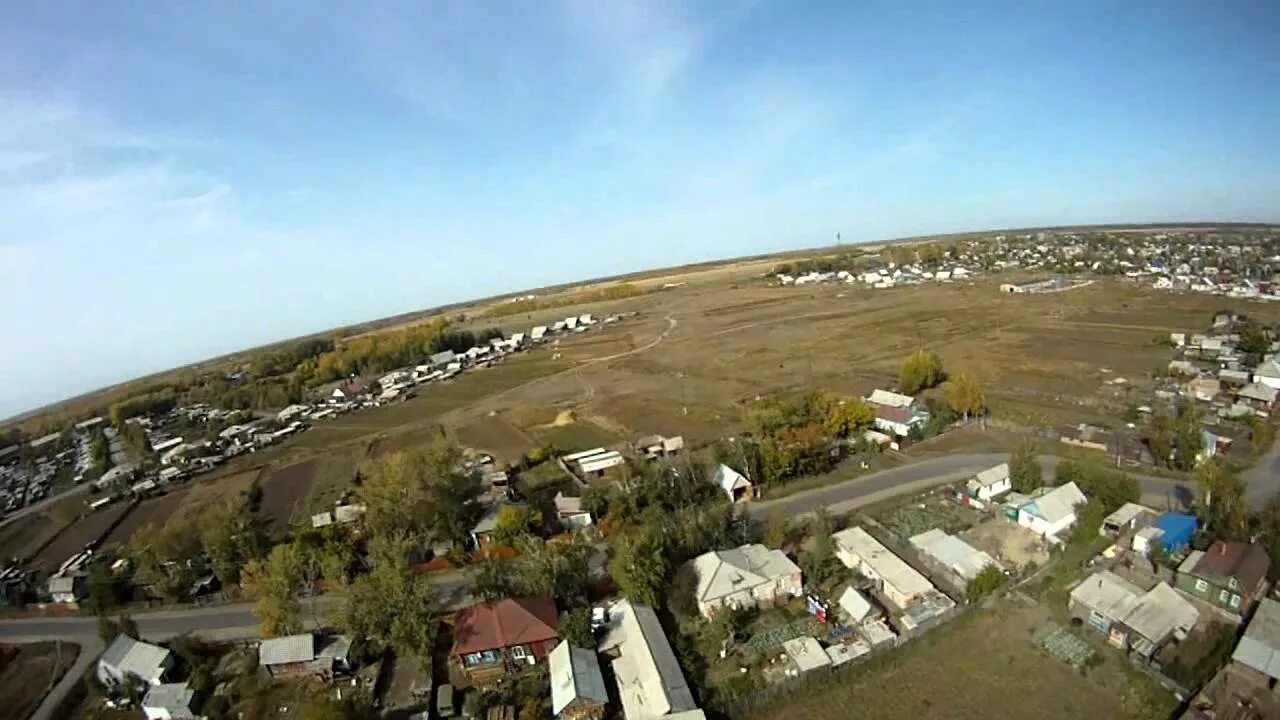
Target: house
x,y
577,686
292,412
650,682
899,582
305,654
1053,511
1170,532
570,513
990,483
1132,619
442,358
537,333
805,654
68,589
594,462
952,553
170,701
1130,516
1257,656
127,661
1258,396
489,637
856,608
1231,575
347,392
747,576
657,446
1237,378
484,527
887,398
899,421
1085,436
732,483
1204,389
1268,373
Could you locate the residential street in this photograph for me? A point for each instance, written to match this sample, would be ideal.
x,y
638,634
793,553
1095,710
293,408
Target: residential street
x,y
1263,479
230,622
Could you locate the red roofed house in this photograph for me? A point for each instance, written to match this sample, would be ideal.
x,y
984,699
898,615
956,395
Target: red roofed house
x,y
490,637
898,421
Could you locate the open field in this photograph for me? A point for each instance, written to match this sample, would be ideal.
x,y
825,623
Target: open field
x,y
76,536
28,672
693,358
154,512
26,535
981,666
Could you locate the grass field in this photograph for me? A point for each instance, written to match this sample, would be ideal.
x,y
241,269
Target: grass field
x,y
155,512
981,666
78,534
28,672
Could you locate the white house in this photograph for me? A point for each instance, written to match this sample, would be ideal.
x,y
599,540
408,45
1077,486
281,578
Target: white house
x,y
732,483
746,576
170,701
901,584
898,421
577,685
990,483
1052,512
570,513
953,553
1268,373
132,661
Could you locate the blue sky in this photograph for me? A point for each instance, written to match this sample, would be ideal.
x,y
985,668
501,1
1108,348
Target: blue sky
x,y
182,180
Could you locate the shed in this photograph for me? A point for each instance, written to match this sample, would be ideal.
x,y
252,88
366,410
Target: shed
x,y
577,686
856,607
732,483
1177,530
806,654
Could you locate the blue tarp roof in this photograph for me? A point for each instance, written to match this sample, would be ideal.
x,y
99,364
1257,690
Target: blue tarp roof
x,y
1178,529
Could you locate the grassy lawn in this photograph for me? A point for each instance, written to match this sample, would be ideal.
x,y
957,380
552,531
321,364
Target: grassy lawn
x,y
982,665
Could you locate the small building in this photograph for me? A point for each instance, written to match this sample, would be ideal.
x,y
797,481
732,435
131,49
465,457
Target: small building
x,y
170,701
888,398
67,589
856,608
806,655
952,553
1170,532
130,661
305,654
594,462
490,637
293,412
1268,373
570,513
1131,619
657,446
1258,396
577,686
899,421
732,483
1257,656
1204,389
1085,436
747,576
442,358
990,483
1053,511
1130,516
899,582
1231,575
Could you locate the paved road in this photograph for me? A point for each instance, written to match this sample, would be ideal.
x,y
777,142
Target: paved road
x,y
1263,479
80,489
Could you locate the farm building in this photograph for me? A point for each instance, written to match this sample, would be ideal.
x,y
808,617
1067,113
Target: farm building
x,y
1051,512
732,483
899,421
593,462
887,398
901,584
657,446
577,686
745,577
952,553
650,682
1268,373
490,637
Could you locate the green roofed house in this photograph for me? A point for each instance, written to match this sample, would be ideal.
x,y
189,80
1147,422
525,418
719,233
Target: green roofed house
x,y
1231,575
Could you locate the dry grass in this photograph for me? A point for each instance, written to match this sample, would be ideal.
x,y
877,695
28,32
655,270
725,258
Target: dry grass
x,y
981,666
77,535
28,672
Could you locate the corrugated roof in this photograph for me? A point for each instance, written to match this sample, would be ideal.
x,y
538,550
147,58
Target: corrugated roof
x,y
992,476
891,568
650,683
287,650
1126,514
955,554
1159,613
504,623
890,399
172,697
136,658
1057,504
575,673
1260,646
855,605
1107,593
806,653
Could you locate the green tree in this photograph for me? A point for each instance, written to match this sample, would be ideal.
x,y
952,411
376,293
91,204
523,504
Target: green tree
x,y
964,395
1025,473
984,583
777,528
1188,437
1222,497
231,535
109,629
1255,341
275,583
847,417
515,522
495,578
921,371
575,628
639,566
392,606
421,492
1161,439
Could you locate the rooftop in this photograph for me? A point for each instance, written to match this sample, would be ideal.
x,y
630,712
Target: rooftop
x,y
1260,646
725,572
891,568
575,673
287,650
503,623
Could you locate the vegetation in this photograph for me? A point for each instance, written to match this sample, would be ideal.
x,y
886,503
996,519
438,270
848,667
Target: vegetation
x,y
421,493
921,371
984,584
527,305
1025,473
1222,501
965,397
392,606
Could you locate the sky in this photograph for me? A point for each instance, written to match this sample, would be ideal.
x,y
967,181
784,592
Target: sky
x,y
182,180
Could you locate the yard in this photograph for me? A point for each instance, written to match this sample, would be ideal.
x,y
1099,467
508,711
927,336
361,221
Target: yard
x,y
982,665
28,672
79,534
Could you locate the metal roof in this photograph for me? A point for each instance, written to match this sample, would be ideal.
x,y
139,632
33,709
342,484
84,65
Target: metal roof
x,y
890,568
725,572
955,554
806,653
1108,594
1161,612
172,697
136,658
1057,504
855,605
650,682
287,650
994,475
575,673
1260,646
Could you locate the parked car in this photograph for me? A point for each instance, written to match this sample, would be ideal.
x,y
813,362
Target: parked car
x,y
444,701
